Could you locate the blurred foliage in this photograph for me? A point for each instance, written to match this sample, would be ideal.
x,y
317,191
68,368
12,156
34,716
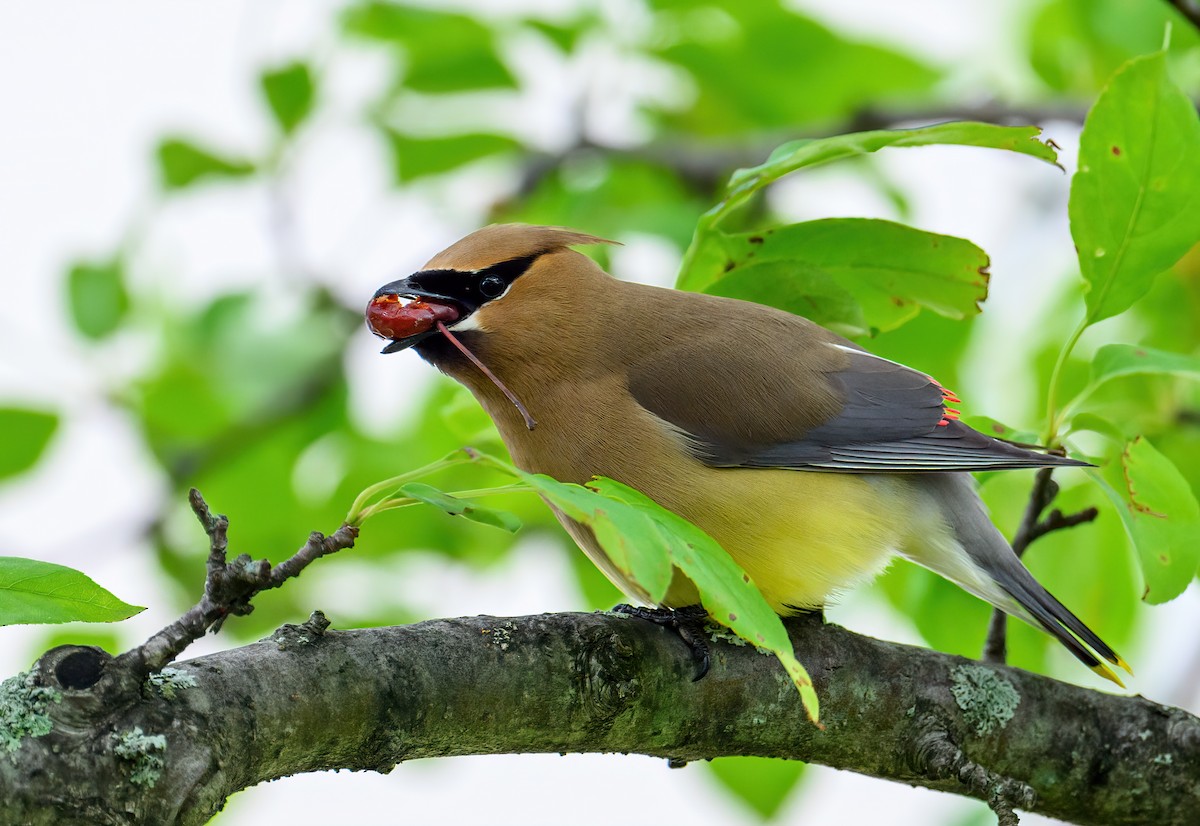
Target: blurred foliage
x,y
182,163
97,297
1076,45
246,396
771,781
26,435
290,92
732,51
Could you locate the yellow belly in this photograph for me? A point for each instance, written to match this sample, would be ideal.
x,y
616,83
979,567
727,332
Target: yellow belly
x,y
803,537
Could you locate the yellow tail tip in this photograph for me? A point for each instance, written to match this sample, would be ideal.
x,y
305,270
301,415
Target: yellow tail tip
x,y
1108,674
1120,663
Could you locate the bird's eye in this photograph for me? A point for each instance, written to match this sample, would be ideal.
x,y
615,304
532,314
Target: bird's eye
x,y
491,286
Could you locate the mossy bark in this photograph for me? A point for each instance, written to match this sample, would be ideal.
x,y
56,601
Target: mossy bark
x,y
307,700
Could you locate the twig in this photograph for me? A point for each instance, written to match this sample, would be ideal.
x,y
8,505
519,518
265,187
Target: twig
x,y
1045,489
1188,10
228,587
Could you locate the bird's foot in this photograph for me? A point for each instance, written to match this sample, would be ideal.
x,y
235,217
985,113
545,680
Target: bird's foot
x,y
687,622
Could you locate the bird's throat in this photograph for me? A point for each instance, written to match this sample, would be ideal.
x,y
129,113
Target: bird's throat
x,y
530,423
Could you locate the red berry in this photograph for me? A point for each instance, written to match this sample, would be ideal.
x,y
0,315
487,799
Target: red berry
x,y
388,318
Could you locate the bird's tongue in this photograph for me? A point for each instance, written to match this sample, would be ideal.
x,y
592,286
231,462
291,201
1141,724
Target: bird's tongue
x,y
388,317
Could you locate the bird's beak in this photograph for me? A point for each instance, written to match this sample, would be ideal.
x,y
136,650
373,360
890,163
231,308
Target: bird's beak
x,y
408,288
404,343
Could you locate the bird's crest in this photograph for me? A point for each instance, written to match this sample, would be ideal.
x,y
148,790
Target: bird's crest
x,y
504,242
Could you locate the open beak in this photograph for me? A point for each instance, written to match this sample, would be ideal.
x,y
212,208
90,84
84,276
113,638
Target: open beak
x,y
387,318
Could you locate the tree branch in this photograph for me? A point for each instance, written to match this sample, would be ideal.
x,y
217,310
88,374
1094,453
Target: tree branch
x,y
228,588
1033,527
171,750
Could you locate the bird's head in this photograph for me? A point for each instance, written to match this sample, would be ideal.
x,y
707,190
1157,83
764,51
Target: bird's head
x,y
465,286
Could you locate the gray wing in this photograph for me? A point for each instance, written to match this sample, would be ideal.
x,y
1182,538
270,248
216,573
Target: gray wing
x,y
875,416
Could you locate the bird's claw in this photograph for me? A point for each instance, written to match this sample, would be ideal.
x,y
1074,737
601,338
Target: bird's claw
x,y
687,622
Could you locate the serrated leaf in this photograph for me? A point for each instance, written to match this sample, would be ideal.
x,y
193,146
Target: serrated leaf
x,y
1135,199
97,297
290,93
458,506
35,592
26,434
1161,516
181,163
840,271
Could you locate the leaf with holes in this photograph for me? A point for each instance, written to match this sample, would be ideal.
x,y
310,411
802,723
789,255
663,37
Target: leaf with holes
x,y
1135,200
1162,518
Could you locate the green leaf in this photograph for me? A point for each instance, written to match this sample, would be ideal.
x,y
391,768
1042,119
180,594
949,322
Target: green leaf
x,y
998,430
845,270
1076,45
26,434
418,157
762,783
444,52
1115,360
646,542
97,297
33,592
290,92
610,196
805,153
742,56
182,163
457,506
727,592
636,544
462,416
564,37
1162,518
1097,424
1135,200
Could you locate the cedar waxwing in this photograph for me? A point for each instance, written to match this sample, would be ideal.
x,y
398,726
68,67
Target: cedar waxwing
x,y
810,460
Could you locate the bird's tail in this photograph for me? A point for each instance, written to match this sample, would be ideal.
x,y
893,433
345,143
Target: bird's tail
x,y
991,571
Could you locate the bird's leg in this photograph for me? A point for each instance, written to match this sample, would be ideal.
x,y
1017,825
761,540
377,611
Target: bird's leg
x,y
687,622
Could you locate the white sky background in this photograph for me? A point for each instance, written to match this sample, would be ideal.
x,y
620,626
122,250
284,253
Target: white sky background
x,y
86,89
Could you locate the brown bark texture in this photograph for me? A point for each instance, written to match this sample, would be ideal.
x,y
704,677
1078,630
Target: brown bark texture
x,y
86,738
